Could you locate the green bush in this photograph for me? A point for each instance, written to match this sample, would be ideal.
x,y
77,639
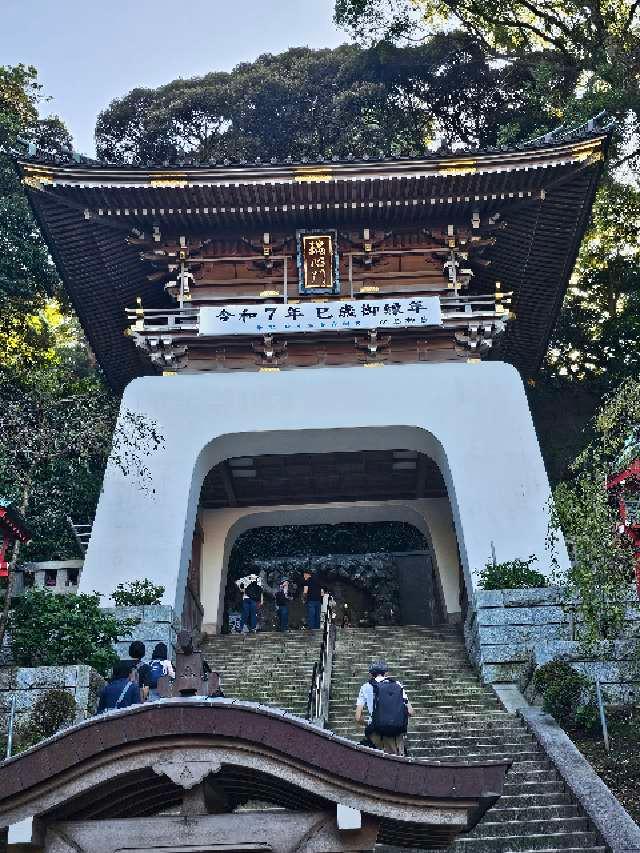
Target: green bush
x,y
50,630
51,712
137,593
513,574
566,695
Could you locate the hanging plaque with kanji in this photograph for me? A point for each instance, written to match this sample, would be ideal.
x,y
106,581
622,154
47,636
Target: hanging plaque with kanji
x,y
318,262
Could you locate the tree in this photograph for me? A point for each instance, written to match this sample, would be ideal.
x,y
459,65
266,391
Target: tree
x,y
57,433
56,630
27,275
602,560
324,103
598,335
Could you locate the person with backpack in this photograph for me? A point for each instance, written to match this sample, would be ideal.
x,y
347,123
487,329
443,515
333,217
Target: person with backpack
x,y
160,665
389,710
137,652
122,689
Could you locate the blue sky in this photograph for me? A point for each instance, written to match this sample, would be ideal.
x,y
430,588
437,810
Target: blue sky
x,y
89,52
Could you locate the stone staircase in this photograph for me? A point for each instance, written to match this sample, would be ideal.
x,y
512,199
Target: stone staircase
x,y
456,718
274,669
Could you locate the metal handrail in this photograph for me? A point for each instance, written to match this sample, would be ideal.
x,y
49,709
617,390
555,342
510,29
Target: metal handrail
x,y
317,701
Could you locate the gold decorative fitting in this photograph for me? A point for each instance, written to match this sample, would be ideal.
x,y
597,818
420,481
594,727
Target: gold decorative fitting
x,y
474,360
369,288
321,173
169,180
138,326
373,364
186,297
458,167
269,370
267,293
168,372
36,177
368,247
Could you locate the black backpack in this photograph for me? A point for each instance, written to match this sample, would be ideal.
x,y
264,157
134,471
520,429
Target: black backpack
x,y
390,713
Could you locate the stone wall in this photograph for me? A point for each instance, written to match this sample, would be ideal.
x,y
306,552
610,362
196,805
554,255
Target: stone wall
x,y
157,624
28,683
509,632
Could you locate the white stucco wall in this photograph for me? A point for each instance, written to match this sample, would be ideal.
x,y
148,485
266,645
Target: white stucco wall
x,y
221,528
472,419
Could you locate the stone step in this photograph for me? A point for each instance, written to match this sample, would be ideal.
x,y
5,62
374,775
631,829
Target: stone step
x,y
519,843
490,828
520,788
530,813
524,801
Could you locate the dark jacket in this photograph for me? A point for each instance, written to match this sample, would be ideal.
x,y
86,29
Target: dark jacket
x,y
112,692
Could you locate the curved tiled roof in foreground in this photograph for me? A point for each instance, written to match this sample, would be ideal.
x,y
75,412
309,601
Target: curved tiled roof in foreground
x,y
136,762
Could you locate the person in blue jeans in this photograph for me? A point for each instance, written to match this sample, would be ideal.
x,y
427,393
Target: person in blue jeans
x,y
282,603
313,593
251,595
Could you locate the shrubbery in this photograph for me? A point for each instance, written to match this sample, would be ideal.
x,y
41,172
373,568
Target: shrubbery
x,y
137,593
52,711
513,574
55,630
567,696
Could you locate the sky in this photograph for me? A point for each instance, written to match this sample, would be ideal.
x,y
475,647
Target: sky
x,y
89,52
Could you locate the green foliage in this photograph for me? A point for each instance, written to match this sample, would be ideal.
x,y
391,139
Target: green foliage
x,y
566,695
137,593
52,711
512,574
27,276
57,431
324,103
54,630
602,561
582,59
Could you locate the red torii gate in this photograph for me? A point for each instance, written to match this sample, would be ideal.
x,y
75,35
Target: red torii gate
x,y
12,529
624,486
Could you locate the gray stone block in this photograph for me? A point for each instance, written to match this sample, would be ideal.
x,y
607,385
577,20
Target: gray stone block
x,y
521,616
505,653
489,598
501,672
82,696
158,613
30,678
533,597
530,634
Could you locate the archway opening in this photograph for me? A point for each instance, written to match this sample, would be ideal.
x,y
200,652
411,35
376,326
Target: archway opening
x,y
328,491
378,573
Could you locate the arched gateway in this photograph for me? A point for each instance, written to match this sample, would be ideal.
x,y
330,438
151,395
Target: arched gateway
x,y
260,294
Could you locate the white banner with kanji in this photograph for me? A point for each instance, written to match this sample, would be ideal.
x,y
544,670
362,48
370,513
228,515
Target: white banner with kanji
x,y
320,316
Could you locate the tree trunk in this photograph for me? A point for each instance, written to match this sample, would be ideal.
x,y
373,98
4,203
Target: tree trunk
x,y
4,618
